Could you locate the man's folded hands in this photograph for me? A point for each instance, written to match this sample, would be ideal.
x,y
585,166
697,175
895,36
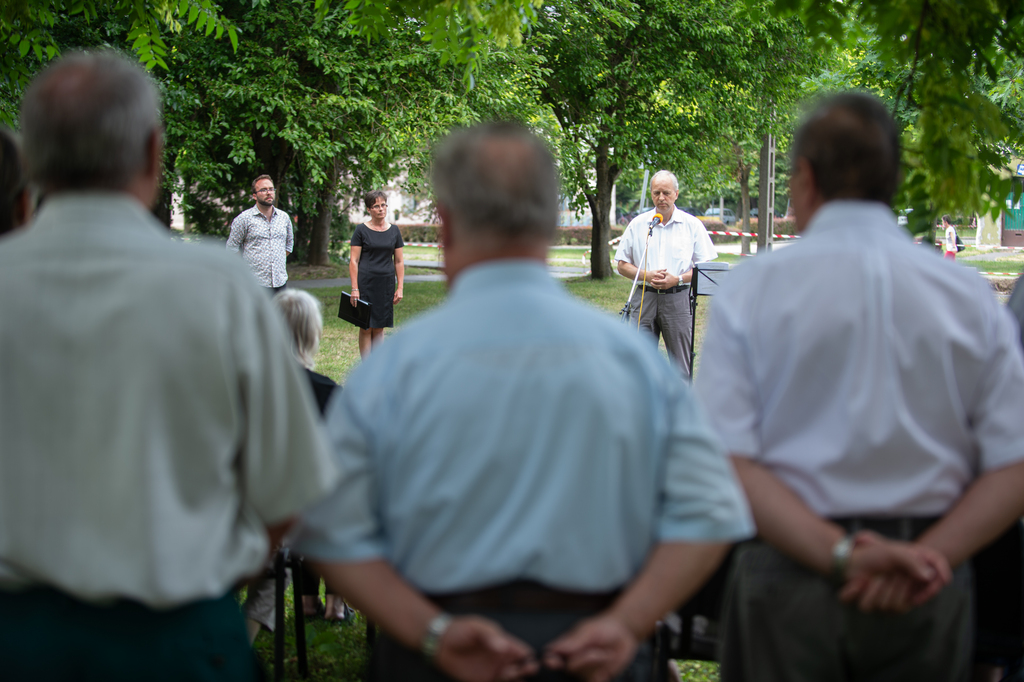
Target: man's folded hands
x,y
891,576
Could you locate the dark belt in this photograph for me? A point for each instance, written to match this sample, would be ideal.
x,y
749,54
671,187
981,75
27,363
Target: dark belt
x,y
523,595
898,528
674,290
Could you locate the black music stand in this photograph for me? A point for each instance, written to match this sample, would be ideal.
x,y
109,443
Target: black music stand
x,y
705,281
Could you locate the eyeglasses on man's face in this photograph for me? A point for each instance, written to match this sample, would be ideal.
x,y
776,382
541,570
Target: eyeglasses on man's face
x,y
265,190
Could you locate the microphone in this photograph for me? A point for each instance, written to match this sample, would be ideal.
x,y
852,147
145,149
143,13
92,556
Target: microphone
x,y
656,220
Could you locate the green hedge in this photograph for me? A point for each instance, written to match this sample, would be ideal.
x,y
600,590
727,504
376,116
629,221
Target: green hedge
x,y
579,235
419,232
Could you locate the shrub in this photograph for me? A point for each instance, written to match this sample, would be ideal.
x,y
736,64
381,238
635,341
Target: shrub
x,y
420,232
579,235
571,235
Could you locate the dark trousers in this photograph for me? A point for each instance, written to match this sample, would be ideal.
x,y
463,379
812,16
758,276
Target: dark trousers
x,y
392,662
668,315
47,635
784,623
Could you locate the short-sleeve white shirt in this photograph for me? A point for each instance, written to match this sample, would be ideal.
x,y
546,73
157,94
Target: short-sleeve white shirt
x,y
675,245
876,381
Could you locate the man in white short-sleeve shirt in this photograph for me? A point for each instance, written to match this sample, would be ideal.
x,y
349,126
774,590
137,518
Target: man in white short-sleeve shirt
x,y
871,398
664,253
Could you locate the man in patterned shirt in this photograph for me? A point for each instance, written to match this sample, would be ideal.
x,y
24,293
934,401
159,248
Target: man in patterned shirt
x,y
264,234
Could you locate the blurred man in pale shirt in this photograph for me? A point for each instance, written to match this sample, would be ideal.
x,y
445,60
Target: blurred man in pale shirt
x,y
158,437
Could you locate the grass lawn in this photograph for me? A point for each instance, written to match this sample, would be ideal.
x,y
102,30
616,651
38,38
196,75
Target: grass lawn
x,y
557,256
335,271
1007,266
339,345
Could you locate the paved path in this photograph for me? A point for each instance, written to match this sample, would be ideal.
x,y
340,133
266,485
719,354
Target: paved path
x,y
988,256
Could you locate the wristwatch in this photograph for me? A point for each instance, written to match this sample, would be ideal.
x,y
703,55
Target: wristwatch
x,y
841,558
436,628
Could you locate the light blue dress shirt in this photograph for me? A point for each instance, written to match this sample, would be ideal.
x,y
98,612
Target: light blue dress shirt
x,y
515,433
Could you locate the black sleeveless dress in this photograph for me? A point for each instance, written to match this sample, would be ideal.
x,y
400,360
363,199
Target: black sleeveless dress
x,y
377,271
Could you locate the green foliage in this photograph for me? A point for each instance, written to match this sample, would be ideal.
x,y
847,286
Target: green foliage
x,y
459,30
563,235
29,28
323,111
658,83
951,70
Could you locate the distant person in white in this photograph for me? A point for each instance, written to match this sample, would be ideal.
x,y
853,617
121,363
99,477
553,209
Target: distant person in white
x,y
662,298
950,238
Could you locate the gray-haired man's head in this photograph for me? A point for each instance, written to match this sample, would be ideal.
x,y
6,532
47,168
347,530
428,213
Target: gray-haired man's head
x,y
498,183
666,175
87,122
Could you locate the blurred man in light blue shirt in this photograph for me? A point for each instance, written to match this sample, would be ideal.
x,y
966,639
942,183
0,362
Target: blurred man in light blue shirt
x,y
517,455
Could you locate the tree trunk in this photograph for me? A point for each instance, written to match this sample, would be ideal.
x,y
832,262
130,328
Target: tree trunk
x,y
745,207
320,235
766,197
274,156
600,209
162,209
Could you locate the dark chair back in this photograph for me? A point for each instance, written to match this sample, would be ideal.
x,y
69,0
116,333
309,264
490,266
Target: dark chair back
x,y
999,598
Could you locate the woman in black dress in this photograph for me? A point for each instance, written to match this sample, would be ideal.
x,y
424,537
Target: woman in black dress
x,y
375,264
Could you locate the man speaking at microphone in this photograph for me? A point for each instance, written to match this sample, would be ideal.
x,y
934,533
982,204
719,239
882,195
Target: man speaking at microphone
x,y
673,244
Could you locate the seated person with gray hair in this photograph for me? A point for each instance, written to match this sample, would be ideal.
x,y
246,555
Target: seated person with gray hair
x,y
302,312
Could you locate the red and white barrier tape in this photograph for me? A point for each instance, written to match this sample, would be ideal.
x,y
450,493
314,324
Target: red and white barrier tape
x,y
425,244
753,234
729,234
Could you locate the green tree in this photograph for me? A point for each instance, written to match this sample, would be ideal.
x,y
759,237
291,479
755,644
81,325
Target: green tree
x,y
946,67
653,82
29,36
320,109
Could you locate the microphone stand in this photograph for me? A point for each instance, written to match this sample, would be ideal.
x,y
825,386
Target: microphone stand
x,y
628,308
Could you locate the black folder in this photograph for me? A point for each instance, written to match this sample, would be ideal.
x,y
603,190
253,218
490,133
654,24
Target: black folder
x,y
359,315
